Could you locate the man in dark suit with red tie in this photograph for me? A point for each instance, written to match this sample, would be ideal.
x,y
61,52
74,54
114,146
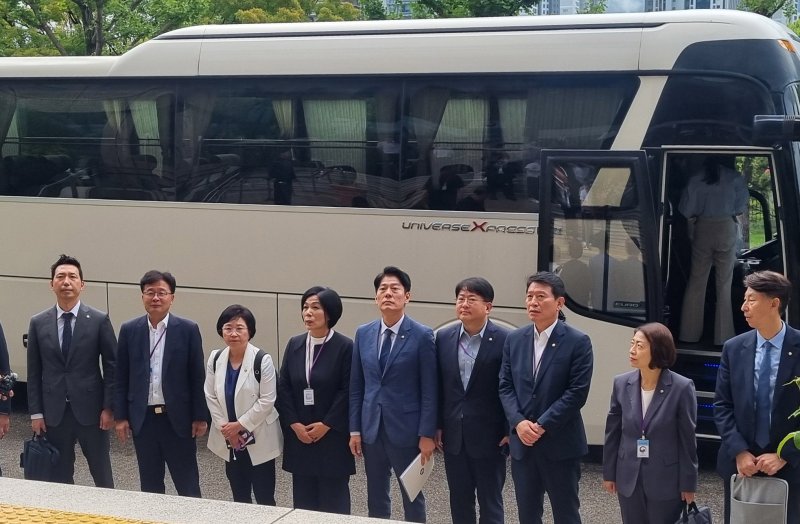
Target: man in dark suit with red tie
x,y
71,358
752,404
159,396
473,433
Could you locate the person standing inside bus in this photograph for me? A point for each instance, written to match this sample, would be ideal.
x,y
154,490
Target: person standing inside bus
x,y
159,397
711,201
473,432
544,382
650,449
393,391
313,397
71,363
752,404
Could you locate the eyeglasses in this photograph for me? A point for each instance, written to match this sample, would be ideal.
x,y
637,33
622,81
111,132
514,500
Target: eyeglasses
x,y
160,294
468,300
238,330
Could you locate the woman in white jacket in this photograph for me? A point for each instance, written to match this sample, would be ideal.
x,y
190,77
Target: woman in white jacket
x,y
244,430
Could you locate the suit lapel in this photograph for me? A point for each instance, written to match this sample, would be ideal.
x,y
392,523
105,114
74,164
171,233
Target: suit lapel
x,y
143,341
661,392
527,359
789,352
450,343
51,332
549,351
371,347
78,330
634,391
487,342
170,340
247,362
747,361
399,344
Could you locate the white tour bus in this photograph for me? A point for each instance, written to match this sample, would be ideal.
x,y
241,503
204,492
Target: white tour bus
x,y
254,161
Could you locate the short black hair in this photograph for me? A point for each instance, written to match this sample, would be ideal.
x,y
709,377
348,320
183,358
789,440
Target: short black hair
x,y
478,285
154,275
65,260
772,284
548,278
237,311
662,345
330,301
392,271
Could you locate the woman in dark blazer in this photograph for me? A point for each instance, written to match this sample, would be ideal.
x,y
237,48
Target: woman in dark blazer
x,y
650,461
313,396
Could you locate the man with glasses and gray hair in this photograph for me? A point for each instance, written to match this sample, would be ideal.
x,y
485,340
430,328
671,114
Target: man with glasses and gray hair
x,y
159,397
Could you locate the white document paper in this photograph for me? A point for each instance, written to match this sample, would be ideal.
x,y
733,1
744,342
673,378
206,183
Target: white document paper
x,y
415,476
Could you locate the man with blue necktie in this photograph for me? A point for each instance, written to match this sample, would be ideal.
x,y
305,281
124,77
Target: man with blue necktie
x,y
393,392
751,404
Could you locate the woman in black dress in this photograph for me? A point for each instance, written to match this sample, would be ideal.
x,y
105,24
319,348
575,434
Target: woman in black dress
x,y
313,396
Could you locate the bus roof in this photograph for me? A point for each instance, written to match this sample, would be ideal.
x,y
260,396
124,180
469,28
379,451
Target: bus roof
x,y
607,42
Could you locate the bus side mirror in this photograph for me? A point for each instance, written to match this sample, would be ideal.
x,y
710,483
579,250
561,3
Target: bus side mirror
x,y
771,129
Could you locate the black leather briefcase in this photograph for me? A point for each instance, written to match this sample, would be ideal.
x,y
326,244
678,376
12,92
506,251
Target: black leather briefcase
x,y
38,458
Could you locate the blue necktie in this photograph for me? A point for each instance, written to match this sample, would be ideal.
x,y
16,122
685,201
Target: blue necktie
x,y
386,348
763,405
66,335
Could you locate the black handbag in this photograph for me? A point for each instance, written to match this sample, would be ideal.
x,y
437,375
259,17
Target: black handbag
x,y
38,458
694,515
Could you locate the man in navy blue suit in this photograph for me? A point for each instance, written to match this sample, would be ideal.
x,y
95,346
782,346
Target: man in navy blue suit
x,y
544,383
473,432
159,394
393,388
768,357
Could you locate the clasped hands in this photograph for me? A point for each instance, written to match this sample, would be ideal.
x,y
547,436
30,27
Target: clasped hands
x,y
529,432
748,464
310,433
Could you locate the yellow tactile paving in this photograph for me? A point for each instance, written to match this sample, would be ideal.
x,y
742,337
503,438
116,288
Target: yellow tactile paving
x,y
25,515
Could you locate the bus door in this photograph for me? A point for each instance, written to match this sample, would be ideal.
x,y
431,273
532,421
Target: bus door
x,y
597,230
720,239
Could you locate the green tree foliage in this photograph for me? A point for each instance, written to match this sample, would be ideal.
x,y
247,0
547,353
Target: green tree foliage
x,y
263,11
90,27
593,7
768,7
374,10
470,8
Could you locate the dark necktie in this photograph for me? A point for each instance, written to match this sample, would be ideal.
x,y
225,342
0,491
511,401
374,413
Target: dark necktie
x,y
763,405
386,348
66,335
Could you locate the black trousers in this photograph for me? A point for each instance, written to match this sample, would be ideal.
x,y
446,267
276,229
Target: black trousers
x,y
94,445
158,445
536,474
244,477
328,494
468,476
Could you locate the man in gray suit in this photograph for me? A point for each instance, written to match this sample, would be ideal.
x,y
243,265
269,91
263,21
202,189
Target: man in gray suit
x,y
69,390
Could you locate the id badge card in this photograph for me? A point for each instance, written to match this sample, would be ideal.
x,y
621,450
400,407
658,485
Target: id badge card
x,y
643,448
308,397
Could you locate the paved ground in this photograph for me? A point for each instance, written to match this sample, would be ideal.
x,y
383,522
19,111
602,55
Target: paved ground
x,y
597,506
